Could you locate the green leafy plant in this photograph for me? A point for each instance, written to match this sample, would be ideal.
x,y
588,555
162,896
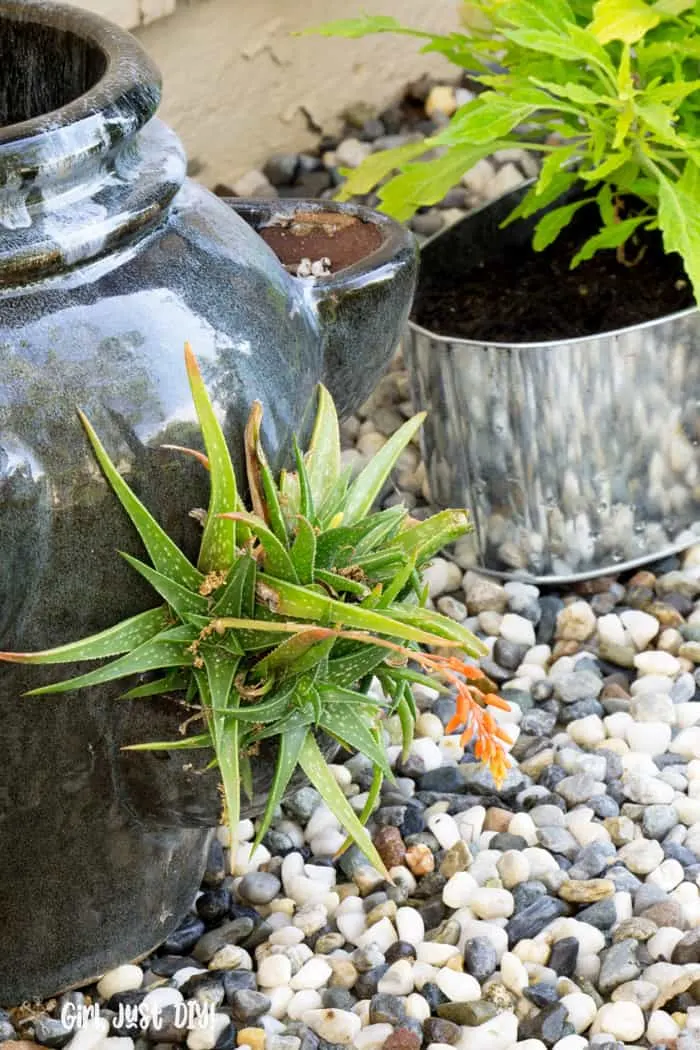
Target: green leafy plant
x,y
291,609
608,93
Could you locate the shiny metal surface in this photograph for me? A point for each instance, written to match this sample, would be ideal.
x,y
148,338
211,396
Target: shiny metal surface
x,y
576,458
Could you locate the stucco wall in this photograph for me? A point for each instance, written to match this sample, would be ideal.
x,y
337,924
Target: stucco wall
x,y
236,81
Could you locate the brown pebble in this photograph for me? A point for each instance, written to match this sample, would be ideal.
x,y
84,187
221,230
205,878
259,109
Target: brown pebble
x,y
252,1037
565,647
586,891
497,819
666,913
613,691
643,578
419,859
19,1044
402,1039
665,614
390,846
457,858
596,586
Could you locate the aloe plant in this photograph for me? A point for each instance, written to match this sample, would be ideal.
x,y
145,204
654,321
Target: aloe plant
x,y
292,607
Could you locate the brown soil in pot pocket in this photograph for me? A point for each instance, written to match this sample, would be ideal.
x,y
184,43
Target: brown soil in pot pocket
x,y
344,239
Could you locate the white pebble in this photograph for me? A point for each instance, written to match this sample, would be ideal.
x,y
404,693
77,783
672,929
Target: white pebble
x,y
571,1042
398,979
381,933
518,630
205,1037
373,1037
428,751
155,1001
513,868
122,979
656,661
667,876
488,903
335,1026
641,856
301,1002
280,998
313,974
641,627
417,1007
513,973
587,732
581,1009
458,987
444,828
662,1028
623,1021
410,926
500,1033
661,945
459,889
652,738
687,743
434,953
90,1035
274,970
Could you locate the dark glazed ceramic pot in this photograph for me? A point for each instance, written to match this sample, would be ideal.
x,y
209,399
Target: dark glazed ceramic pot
x,y
109,260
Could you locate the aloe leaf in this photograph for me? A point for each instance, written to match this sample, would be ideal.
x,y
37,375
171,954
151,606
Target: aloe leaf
x,y
277,559
368,483
276,707
193,452
238,595
323,455
407,725
154,655
165,555
218,545
430,620
174,682
289,496
388,524
382,564
303,552
428,537
302,602
335,497
251,443
316,768
337,546
121,638
298,653
344,670
345,724
306,499
298,716
273,507
202,740
334,694
369,806
246,771
408,675
179,598
397,585
290,745
225,736
342,584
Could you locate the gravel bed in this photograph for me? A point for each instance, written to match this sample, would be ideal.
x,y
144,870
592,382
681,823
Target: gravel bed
x,y
560,912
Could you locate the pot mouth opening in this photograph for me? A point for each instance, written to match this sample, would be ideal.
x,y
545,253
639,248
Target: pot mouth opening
x,y
43,68
60,66
321,243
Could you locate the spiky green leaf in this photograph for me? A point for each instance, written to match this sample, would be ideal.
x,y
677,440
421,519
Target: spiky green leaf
x,y
121,638
303,552
165,555
371,478
277,559
290,745
179,598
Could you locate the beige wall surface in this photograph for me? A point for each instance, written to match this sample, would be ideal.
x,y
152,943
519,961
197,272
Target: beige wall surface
x,y
236,83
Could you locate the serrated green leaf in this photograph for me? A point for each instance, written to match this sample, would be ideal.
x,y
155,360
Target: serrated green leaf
x,y
363,25
218,545
490,116
535,200
238,595
154,655
435,622
368,483
550,225
349,668
424,184
679,219
303,552
121,638
426,538
342,584
170,683
277,560
225,734
626,20
290,745
323,455
179,598
289,654
609,237
336,547
316,768
344,723
187,743
377,166
306,499
577,93
165,555
304,604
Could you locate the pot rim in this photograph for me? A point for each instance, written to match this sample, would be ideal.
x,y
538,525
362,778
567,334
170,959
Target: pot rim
x,y
455,341
396,237
129,88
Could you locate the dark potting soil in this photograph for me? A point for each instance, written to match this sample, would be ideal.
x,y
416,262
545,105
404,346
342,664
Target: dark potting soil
x,y
517,295
343,239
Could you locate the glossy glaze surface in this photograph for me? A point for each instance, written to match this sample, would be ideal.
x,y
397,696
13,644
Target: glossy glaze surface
x,y
109,261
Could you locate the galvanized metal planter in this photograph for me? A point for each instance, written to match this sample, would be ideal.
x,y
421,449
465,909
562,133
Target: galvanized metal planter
x,y
576,458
